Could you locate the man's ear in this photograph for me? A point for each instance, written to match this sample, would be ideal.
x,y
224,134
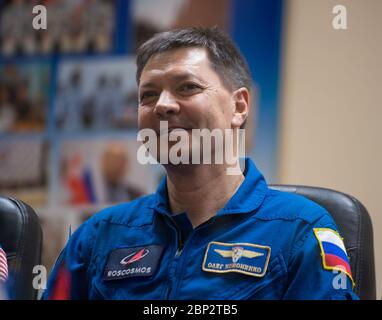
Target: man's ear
x,y
241,99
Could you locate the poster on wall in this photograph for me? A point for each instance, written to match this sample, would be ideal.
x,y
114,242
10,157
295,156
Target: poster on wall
x,y
23,170
81,26
24,96
176,14
98,172
96,95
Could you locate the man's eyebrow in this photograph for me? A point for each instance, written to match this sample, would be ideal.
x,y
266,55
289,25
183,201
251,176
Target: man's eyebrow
x,y
185,76
177,77
147,85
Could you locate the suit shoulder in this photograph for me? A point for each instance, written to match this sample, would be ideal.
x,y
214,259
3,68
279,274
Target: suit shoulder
x,y
291,206
134,213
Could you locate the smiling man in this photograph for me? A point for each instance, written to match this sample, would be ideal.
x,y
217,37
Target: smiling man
x,y
204,234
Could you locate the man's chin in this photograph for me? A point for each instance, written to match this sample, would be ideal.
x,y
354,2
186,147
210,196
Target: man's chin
x,y
187,156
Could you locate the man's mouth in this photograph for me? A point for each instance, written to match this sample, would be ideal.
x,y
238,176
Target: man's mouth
x,y
173,129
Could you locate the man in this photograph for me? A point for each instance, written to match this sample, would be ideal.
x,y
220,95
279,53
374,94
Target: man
x,y
70,103
115,166
205,234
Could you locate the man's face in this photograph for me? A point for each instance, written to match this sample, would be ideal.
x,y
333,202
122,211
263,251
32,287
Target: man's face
x,y
180,87
114,163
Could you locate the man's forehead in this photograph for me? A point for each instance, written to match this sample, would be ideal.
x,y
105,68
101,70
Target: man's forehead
x,y
179,63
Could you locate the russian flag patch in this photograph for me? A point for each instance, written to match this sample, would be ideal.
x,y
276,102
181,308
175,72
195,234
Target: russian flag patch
x,y
333,252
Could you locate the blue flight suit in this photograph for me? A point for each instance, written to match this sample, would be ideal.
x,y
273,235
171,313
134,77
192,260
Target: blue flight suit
x,y
261,245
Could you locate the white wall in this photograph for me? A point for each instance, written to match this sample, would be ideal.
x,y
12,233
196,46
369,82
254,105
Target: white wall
x,y
331,121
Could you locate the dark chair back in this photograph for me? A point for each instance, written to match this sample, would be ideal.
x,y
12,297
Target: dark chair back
x,y
354,224
21,239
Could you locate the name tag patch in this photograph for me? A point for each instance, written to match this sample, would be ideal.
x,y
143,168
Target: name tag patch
x,y
132,262
247,258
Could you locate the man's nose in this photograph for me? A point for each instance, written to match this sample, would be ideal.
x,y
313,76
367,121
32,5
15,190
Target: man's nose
x,y
166,104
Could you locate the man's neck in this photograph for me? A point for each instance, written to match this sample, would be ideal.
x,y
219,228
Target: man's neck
x,y
200,190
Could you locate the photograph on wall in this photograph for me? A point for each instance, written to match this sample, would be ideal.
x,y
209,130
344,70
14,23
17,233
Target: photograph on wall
x,y
176,14
24,96
96,94
23,170
98,172
83,26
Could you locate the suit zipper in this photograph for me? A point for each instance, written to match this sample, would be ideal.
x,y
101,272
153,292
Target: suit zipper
x,y
181,247
178,252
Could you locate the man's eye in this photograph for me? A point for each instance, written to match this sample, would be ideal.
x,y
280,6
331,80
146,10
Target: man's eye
x,y
189,88
147,95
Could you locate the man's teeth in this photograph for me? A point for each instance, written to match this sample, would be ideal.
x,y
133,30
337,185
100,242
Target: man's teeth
x,y
171,130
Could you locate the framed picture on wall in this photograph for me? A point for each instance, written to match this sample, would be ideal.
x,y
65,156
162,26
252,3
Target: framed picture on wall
x,y
96,95
90,29
103,171
23,169
24,96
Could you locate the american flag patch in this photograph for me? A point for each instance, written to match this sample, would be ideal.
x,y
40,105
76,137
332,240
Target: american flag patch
x,y
333,252
3,266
